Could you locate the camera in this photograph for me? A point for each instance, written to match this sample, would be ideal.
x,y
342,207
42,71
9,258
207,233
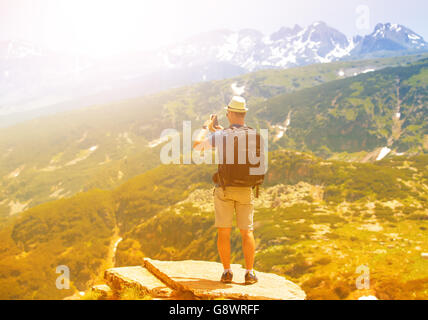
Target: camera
x,y
214,118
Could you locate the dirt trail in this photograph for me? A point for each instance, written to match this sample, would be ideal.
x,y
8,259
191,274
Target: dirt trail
x,y
109,262
115,240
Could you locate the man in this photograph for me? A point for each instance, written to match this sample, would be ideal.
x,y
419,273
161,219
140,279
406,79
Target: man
x,y
229,199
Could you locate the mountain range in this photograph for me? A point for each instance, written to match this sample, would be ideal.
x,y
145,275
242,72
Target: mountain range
x,y
290,47
36,81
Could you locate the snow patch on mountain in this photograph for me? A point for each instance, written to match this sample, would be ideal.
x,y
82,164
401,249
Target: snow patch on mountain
x,y
383,153
237,90
282,128
19,50
368,70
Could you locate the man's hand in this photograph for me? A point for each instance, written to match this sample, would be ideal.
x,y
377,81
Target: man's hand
x,y
210,125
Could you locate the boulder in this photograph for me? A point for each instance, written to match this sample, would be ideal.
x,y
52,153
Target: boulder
x,y
103,290
139,278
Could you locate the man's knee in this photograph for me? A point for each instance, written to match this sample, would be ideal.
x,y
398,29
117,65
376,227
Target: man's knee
x,y
247,235
224,233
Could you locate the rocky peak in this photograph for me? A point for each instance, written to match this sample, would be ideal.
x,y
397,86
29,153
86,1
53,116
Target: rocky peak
x,y
285,32
391,37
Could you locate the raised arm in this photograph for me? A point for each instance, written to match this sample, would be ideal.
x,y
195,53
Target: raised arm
x,y
203,140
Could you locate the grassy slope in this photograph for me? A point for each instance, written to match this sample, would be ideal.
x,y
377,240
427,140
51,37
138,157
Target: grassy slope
x,y
74,232
308,224
77,232
357,114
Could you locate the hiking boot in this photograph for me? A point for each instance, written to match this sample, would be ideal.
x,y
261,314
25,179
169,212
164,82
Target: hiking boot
x,y
250,278
226,277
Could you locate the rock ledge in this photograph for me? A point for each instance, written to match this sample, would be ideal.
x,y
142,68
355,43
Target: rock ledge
x,y
198,280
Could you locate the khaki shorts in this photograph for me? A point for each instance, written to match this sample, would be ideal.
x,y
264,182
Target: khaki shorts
x,y
239,199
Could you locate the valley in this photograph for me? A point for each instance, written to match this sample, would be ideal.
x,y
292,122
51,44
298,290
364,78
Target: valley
x,y
85,188
104,145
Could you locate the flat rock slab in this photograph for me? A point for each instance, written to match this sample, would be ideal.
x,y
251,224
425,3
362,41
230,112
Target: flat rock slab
x,y
136,277
202,279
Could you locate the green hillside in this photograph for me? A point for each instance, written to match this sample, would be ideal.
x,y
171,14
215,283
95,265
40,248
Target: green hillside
x,y
74,232
103,146
78,232
316,221
384,108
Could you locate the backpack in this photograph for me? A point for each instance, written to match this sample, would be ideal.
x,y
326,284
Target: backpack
x,y
246,168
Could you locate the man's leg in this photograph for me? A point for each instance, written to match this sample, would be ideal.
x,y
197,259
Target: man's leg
x,y
249,248
224,210
223,246
244,217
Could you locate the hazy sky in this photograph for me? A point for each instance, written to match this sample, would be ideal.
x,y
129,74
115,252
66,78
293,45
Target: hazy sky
x,y
99,27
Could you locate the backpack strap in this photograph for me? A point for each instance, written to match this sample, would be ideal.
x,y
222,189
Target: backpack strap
x,y
220,176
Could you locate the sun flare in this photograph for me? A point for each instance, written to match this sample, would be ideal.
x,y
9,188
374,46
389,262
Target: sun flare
x,y
103,28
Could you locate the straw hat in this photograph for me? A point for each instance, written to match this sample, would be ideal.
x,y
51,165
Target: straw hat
x,y
237,104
